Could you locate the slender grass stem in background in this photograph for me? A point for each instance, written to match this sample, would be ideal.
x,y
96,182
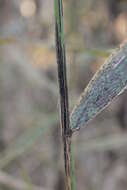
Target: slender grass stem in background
x,y
63,90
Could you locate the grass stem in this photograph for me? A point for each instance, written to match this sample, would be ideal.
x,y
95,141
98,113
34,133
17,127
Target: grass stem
x,y
63,91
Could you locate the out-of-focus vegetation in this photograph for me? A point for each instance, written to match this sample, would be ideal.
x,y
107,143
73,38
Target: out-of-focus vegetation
x,y
30,146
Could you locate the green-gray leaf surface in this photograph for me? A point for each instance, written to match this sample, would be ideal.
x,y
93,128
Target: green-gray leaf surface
x,y
109,81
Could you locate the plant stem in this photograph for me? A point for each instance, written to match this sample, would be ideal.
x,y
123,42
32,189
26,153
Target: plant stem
x,y
63,90
73,179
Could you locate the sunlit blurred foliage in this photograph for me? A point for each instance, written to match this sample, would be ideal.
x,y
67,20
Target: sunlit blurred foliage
x,y
28,8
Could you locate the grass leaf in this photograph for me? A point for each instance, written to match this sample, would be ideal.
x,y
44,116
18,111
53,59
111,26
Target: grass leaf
x,y
109,81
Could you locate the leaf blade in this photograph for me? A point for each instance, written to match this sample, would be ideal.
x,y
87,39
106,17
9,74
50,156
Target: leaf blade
x,y
109,81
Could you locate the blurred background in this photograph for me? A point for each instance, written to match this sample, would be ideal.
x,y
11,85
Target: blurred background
x,y
31,156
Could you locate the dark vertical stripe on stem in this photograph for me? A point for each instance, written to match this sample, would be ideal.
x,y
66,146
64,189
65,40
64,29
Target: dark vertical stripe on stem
x,y
63,90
